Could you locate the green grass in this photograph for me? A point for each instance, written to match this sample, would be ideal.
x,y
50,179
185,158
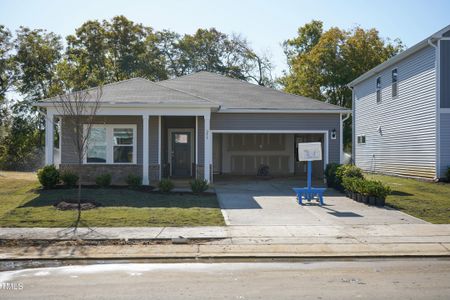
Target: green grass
x,y
426,200
24,204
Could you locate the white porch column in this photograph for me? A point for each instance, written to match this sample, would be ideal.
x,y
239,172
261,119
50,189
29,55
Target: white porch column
x,y
49,131
208,149
145,150
159,148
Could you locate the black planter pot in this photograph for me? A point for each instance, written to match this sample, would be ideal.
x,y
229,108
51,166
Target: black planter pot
x,y
354,196
380,202
365,199
359,197
372,200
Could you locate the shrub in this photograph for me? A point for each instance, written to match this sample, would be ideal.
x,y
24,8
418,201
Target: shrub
x,y
330,174
48,176
70,179
347,171
103,180
365,187
447,174
165,185
134,181
199,185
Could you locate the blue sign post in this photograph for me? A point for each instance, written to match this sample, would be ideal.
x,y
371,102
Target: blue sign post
x,y
309,152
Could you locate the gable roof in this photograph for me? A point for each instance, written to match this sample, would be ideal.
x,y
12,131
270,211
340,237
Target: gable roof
x,y
234,94
402,55
141,91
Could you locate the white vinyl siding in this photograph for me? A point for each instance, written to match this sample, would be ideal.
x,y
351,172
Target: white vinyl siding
x,y
401,131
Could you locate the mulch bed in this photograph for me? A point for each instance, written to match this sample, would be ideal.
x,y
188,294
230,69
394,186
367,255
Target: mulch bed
x,y
70,204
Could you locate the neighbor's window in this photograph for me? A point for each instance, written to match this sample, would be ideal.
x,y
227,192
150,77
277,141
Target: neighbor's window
x,y
378,89
112,144
394,83
361,139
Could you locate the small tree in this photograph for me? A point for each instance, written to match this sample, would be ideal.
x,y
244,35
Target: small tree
x,y
78,109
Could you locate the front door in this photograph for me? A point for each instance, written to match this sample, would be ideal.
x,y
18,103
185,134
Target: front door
x,y
181,153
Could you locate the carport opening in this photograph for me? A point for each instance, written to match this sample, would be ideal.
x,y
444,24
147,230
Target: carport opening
x,y
242,154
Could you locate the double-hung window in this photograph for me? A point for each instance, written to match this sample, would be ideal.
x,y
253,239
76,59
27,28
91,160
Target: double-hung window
x,y
378,89
394,83
111,144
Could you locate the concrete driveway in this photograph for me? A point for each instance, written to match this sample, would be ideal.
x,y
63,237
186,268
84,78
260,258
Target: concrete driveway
x,y
272,202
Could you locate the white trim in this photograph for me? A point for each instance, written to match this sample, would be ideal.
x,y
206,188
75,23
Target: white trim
x,y
110,145
284,111
266,131
169,148
324,132
208,148
112,104
438,107
196,142
341,141
49,132
137,111
159,147
145,150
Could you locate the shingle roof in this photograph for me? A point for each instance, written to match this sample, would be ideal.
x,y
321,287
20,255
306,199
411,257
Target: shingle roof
x,y
143,91
204,89
232,93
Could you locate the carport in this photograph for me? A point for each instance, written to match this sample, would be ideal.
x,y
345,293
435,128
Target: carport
x,y
243,152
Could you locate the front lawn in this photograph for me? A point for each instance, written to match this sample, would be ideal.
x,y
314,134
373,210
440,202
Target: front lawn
x,y
24,204
426,200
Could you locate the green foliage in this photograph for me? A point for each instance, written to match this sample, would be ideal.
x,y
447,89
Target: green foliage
x,y
48,176
366,187
165,185
322,63
103,180
19,149
344,171
70,179
330,174
447,174
199,185
134,181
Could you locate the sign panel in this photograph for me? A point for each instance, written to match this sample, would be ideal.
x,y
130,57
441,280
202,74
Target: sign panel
x,y
309,151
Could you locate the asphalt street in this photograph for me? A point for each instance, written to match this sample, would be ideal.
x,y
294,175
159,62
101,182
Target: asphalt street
x,y
362,279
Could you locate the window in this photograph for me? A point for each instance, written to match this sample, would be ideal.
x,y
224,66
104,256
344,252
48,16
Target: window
x,y
378,89
361,139
394,83
96,152
112,144
181,138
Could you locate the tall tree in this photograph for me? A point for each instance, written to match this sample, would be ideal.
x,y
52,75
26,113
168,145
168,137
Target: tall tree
x,y
322,63
6,62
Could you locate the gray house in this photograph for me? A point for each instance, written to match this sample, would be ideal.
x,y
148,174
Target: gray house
x,y
401,112
201,125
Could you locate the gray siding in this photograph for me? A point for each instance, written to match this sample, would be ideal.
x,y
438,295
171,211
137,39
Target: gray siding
x,y
267,121
153,140
445,74
445,143
68,152
407,144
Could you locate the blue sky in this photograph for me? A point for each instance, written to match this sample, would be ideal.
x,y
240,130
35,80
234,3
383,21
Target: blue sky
x,y
264,23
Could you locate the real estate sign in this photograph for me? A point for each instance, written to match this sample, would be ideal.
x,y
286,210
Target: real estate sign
x,y
309,151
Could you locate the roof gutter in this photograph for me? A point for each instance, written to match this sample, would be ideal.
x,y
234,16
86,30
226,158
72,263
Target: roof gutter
x,y
284,111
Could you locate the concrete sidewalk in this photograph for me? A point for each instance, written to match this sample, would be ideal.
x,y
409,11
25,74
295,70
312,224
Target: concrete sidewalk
x,y
241,242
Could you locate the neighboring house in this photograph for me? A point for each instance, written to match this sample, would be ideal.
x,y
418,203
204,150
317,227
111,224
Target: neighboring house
x,y
401,112
175,128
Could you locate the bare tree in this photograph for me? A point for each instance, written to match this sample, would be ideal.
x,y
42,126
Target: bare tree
x,y
78,110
